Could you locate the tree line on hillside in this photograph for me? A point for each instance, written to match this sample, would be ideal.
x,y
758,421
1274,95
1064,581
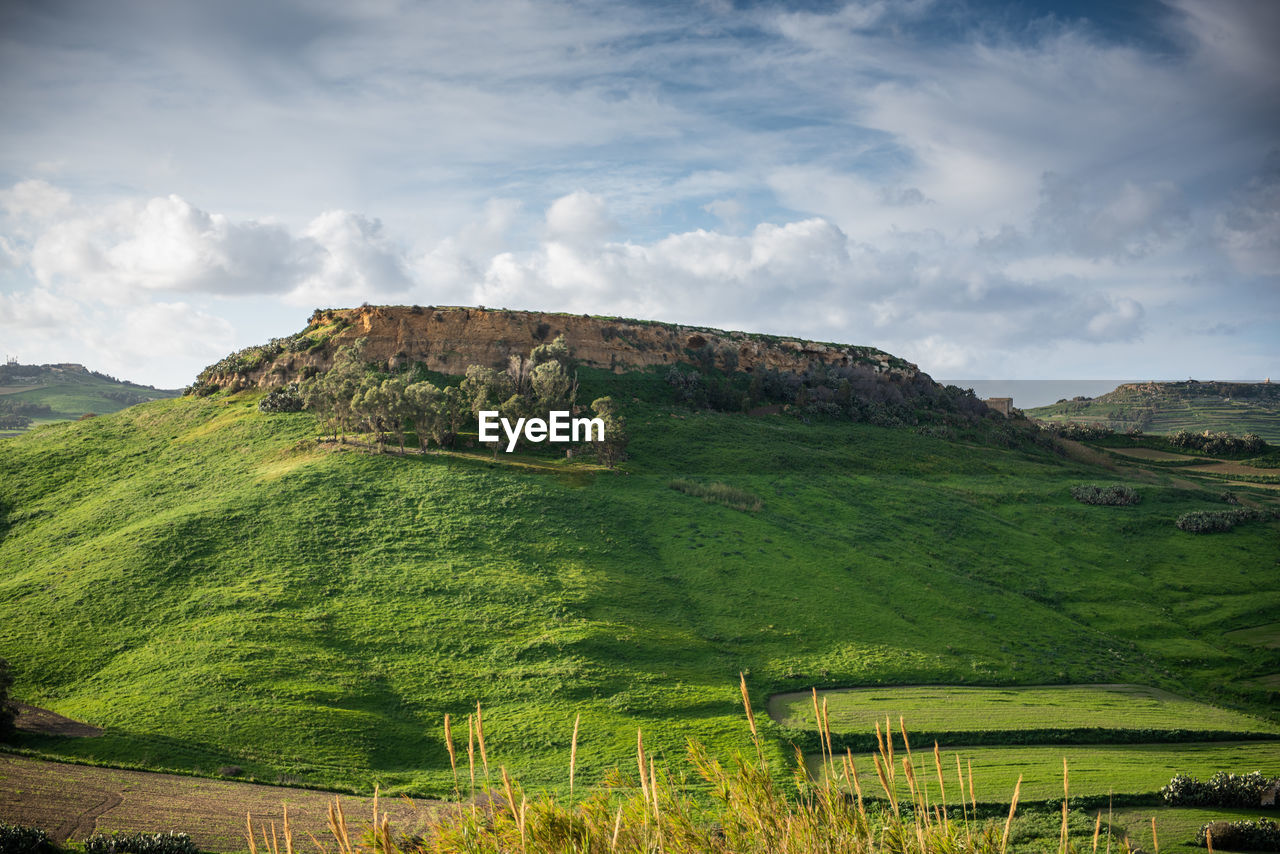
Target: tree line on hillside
x,y
858,392
349,398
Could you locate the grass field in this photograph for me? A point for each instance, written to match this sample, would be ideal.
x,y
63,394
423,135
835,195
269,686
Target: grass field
x,y
211,587
949,708
1096,769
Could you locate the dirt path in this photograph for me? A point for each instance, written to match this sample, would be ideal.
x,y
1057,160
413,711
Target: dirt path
x,y
74,801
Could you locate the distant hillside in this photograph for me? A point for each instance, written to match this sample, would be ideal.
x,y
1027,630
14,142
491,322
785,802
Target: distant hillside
x,y
31,395
1168,407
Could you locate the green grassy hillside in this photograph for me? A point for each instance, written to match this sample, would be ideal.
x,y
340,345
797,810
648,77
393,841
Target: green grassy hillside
x,y
213,588
51,393
1237,408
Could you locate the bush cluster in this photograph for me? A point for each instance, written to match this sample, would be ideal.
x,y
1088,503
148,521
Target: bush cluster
x,y
1082,432
1218,443
1260,835
286,399
1221,790
1115,495
140,843
1213,521
16,839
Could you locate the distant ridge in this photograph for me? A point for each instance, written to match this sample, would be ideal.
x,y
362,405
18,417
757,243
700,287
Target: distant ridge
x,y
1167,407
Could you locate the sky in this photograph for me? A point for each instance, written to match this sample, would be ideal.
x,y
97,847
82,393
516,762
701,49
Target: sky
x,y
1009,190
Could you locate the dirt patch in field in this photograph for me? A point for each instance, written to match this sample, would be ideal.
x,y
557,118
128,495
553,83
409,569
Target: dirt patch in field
x,y
1084,454
1221,467
1151,454
75,801
44,722
1255,485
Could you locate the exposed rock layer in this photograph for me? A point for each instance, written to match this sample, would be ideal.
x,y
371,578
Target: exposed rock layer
x,y
450,339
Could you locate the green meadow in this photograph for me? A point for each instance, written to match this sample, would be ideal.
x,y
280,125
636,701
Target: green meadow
x,y
214,588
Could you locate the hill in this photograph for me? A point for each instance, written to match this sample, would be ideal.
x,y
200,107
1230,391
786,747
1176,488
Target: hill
x,y
1237,408
31,395
213,586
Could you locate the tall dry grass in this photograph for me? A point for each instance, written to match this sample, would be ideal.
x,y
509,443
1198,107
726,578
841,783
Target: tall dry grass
x,y
652,810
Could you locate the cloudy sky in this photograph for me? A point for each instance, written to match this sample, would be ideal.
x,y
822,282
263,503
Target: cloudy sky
x,y
990,189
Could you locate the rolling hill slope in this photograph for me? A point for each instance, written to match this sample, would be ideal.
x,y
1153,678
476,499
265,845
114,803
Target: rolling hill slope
x,y
214,587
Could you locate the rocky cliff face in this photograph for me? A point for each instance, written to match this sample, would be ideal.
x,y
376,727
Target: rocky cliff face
x,y
450,339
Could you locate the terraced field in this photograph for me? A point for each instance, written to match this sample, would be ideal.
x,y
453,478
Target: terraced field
x,y
1021,723
1265,636
1094,769
1169,407
957,709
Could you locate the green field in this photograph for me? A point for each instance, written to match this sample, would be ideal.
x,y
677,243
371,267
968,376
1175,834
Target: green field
x,y
1097,769
213,588
949,708
1237,408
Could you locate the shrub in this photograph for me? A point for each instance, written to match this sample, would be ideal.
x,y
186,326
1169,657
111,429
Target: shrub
x,y
16,839
286,399
1115,495
1221,790
719,493
140,843
1260,835
1213,521
1082,432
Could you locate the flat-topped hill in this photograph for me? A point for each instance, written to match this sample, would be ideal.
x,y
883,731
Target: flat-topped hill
x,y
450,339
1167,407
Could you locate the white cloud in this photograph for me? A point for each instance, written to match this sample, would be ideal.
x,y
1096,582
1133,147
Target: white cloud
x,y
348,258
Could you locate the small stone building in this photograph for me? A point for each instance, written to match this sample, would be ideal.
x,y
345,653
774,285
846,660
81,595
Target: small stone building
x,y
1003,405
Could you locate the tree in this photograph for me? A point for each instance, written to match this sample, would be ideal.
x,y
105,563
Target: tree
x,y
331,395
552,387
556,351
485,388
613,448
